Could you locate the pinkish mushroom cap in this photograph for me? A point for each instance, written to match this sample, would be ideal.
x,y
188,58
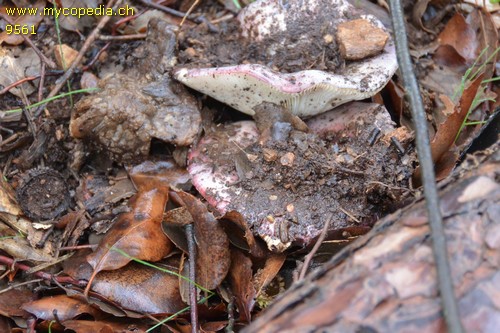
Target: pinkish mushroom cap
x,y
307,92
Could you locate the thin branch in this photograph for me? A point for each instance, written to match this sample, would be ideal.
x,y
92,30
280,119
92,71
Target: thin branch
x,y
445,279
311,254
40,274
192,278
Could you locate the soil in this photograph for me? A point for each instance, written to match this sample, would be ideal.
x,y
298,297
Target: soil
x,y
308,42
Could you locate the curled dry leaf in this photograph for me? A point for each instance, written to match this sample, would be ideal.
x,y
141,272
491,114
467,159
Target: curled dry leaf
x,y
138,233
443,142
461,37
212,245
240,235
241,278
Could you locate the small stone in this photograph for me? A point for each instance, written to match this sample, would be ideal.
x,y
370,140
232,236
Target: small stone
x,y
89,80
190,52
328,39
359,39
65,55
252,157
287,159
290,208
270,155
273,197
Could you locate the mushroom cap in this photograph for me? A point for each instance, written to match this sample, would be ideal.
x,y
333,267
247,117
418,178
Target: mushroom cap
x,y
304,93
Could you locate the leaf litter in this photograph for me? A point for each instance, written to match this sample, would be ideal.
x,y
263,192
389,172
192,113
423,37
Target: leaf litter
x,y
343,155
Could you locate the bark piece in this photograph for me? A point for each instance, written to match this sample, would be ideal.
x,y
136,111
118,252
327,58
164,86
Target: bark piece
x,y
386,281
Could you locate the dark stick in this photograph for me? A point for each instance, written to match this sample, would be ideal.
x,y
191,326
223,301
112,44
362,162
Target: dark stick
x,y
192,277
445,280
40,274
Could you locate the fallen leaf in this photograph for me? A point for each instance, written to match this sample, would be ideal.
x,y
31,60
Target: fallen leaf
x,y
65,307
240,276
136,287
212,245
240,235
14,67
173,222
418,11
138,233
487,36
105,326
461,36
265,275
11,301
447,131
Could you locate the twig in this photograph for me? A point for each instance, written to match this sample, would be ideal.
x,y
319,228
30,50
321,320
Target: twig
x,y
445,279
122,38
230,315
167,10
88,43
195,3
310,255
26,79
28,41
41,82
40,274
192,278
17,285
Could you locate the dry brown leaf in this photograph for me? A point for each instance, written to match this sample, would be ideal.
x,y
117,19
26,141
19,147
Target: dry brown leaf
x,y
240,234
265,275
173,222
487,35
418,11
16,65
135,287
212,245
461,36
11,301
138,233
66,307
443,141
105,326
240,276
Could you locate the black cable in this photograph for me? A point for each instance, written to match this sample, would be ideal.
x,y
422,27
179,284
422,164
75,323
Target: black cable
x,y
445,280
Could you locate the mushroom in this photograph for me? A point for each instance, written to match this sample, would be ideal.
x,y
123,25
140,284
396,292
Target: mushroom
x,y
286,187
297,25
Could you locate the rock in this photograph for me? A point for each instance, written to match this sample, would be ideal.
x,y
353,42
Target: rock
x,y
359,39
